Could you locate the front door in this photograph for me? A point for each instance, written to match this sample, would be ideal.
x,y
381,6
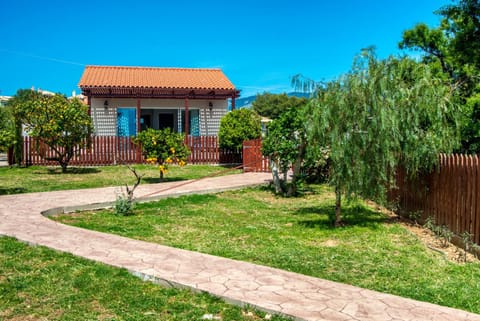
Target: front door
x,y
166,120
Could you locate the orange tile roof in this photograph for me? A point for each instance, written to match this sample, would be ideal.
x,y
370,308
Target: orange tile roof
x,y
150,77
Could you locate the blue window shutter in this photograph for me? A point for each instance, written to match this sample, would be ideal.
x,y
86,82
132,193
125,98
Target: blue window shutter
x,y
126,122
194,122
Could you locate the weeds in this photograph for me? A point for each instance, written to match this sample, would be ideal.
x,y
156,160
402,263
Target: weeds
x,y
124,204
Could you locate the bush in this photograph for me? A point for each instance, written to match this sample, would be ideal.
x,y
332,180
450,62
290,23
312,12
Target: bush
x,y
123,206
163,147
237,126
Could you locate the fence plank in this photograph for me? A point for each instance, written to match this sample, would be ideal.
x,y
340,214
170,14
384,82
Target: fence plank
x,y
451,194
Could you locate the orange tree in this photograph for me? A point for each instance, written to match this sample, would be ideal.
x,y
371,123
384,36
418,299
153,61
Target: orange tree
x,y
162,147
57,122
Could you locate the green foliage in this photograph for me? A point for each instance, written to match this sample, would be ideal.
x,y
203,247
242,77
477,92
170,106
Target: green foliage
x,y
286,145
237,126
22,96
123,206
163,147
7,128
273,105
62,124
441,232
453,50
381,115
284,137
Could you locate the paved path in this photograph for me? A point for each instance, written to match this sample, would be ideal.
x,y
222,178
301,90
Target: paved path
x,y
305,298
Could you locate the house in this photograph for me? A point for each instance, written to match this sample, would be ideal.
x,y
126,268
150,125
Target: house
x,y
4,100
124,100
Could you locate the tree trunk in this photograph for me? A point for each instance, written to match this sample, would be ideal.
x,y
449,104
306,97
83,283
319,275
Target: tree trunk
x,y
276,178
18,146
338,207
161,176
64,166
297,165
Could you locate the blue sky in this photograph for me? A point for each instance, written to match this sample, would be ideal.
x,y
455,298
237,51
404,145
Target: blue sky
x,y
258,44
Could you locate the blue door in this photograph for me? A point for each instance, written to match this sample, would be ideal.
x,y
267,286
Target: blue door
x,y
126,122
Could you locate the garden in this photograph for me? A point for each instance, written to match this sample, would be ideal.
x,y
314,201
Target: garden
x,y
334,159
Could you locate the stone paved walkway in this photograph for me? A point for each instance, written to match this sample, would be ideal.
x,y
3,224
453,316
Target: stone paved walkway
x,y
303,297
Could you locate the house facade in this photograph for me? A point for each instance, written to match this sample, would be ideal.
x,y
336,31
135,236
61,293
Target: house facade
x,y
125,100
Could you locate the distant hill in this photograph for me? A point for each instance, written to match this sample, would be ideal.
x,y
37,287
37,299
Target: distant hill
x,y
246,102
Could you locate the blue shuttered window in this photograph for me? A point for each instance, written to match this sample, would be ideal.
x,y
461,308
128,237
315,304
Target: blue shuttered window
x,y
126,122
194,116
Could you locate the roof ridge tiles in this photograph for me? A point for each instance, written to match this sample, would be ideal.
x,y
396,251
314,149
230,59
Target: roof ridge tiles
x,y
153,67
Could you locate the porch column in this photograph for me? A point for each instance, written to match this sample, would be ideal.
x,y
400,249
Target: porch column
x,y
138,115
233,102
187,118
89,103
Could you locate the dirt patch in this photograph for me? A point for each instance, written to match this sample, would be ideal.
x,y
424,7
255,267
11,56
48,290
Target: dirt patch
x,y
450,251
330,243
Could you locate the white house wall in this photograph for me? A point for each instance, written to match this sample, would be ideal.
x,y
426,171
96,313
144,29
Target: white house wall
x,y
105,119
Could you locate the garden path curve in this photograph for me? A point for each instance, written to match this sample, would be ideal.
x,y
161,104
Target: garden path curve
x,y
273,290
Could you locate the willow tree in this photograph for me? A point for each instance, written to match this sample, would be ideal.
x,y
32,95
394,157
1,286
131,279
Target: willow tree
x,y
381,115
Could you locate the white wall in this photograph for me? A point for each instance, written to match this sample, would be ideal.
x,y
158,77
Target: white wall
x,y
105,119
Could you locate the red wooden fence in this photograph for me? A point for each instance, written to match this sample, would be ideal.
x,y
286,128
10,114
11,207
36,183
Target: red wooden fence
x,y
104,150
111,150
206,150
450,195
253,160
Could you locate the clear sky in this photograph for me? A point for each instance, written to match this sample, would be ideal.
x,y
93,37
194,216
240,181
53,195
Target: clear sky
x,y
258,44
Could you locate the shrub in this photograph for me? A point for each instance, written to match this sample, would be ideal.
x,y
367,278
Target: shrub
x,y
163,147
237,126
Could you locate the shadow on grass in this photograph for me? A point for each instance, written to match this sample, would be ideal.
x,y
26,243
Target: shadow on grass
x,y
156,180
70,170
12,190
352,215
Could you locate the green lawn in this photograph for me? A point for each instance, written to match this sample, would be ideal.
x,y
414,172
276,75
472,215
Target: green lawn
x,y
372,251
37,283
16,180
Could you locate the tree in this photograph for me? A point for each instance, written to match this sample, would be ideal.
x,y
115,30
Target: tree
x,y
162,147
57,122
237,126
7,129
285,144
273,105
22,96
381,115
454,50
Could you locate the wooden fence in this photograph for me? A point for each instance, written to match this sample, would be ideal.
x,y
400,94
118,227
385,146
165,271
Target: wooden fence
x,y
112,150
104,150
206,150
450,195
253,160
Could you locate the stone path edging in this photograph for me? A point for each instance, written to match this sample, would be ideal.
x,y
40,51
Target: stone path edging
x,y
273,290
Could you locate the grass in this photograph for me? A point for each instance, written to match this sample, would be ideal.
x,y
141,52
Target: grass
x,y
37,283
16,180
372,251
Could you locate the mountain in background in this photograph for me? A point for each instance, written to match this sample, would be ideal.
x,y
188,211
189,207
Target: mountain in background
x,y
246,102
